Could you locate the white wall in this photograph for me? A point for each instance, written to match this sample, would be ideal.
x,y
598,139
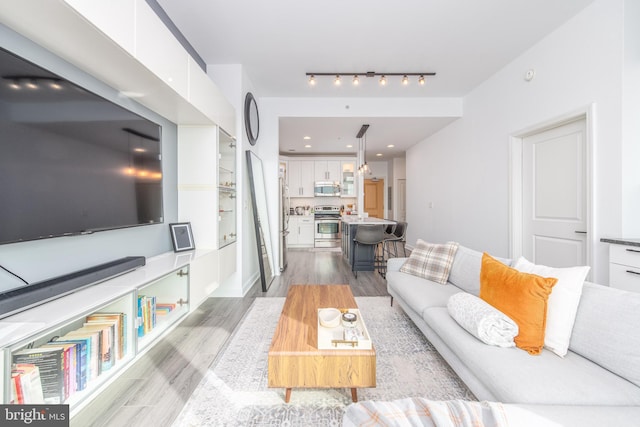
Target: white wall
x,y
464,169
630,118
234,84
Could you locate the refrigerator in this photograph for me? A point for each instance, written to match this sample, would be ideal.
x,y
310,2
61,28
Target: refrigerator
x,y
283,222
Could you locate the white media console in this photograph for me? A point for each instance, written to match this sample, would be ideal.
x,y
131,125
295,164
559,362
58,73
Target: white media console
x,y
182,279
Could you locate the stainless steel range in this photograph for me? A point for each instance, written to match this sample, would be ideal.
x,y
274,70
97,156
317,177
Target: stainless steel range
x,y
327,227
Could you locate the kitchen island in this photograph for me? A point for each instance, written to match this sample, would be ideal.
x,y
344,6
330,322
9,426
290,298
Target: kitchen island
x,y
366,256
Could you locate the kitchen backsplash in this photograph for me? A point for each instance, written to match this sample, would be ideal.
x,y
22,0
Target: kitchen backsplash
x,y
322,201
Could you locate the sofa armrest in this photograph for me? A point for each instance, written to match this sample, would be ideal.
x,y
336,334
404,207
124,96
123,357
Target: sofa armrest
x,y
394,264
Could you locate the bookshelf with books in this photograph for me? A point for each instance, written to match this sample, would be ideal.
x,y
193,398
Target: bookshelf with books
x,y
73,358
68,349
159,304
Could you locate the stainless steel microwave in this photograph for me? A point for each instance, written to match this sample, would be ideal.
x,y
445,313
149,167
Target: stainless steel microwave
x,y
326,188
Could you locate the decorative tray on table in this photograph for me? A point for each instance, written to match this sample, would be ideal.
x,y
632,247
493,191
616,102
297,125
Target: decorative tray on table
x,y
345,334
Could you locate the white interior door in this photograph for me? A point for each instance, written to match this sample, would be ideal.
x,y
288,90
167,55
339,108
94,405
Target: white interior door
x,y
554,196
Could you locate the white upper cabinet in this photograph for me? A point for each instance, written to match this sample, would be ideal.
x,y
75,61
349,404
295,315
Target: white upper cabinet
x,y
159,50
115,18
327,170
301,178
348,184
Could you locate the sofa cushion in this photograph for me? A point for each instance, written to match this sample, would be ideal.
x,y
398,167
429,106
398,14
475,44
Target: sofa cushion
x,y
521,296
419,293
563,301
514,376
465,270
431,261
606,330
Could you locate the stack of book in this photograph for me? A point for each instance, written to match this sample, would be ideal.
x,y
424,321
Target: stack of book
x,y
66,364
146,314
26,385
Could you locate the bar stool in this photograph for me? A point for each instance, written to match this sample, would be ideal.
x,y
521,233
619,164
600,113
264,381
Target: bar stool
x,y
398,235
367,239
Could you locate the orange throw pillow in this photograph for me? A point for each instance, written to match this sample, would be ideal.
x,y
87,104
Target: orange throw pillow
x,y
521,296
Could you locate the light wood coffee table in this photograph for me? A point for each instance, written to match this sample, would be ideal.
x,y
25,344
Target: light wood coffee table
x,y
294,358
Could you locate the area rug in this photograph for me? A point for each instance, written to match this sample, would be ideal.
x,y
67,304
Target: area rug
x,y
234,390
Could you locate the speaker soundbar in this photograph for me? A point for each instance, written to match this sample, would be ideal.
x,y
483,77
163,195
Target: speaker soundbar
x,y
37,293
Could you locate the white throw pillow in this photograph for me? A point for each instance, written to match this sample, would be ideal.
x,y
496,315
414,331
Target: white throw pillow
x,y
482,320
562,304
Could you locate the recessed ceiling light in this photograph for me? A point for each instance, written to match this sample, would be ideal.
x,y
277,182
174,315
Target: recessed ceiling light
x,y
307,146
378,154
291,149
349,146
139,150
390,146
307,137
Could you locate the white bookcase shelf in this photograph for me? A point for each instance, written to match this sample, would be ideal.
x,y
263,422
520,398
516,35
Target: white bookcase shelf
x,y
165,278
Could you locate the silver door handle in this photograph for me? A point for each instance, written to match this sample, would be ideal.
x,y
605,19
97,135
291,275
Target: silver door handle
x,y
633,272
633,250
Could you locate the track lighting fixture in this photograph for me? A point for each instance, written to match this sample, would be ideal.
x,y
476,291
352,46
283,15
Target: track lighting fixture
x,y
382,81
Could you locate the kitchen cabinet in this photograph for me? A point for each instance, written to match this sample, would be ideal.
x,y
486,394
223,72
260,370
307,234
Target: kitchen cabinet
x,y
624,267
327,170
348,179
301,231
301,178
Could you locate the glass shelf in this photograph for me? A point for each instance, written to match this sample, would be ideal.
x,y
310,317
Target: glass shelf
x,y
226,189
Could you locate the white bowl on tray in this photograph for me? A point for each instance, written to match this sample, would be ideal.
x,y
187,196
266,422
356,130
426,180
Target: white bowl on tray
x,y
329,317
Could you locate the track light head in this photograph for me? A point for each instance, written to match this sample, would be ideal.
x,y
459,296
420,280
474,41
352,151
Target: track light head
x,y
356,80
383,80
421,80
312,80
405,80
337,80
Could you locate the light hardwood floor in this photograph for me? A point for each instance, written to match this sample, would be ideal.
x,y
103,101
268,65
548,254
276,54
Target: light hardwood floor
x,y
154,390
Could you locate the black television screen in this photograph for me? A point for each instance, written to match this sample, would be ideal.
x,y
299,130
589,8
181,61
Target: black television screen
x,y
71,162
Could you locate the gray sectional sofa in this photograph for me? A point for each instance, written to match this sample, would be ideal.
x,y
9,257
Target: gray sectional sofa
x,y
596,383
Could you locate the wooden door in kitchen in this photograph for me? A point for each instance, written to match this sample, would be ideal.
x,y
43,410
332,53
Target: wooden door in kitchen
x,y
374,197
554,195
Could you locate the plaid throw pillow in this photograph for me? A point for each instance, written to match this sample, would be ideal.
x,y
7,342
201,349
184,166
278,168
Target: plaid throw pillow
x,y
431,261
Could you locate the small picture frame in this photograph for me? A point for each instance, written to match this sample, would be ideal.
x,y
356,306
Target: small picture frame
x,y
182,236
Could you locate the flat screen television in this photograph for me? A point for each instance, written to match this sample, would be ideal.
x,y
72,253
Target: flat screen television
x,y
71,162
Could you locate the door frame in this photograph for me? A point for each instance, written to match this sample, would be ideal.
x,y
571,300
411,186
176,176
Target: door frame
x,y
515,178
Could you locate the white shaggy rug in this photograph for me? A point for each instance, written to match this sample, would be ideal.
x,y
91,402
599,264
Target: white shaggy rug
x,y
234,390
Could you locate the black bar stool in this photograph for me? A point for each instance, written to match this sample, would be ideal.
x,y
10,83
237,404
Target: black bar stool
x,y
399,234
365,257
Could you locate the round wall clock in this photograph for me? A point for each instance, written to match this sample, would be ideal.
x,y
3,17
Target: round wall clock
x,y
251,118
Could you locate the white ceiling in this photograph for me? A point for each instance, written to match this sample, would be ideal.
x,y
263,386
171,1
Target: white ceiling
x,y
278,41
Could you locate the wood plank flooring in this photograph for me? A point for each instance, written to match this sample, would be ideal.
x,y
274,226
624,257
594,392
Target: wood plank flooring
x,y
154,390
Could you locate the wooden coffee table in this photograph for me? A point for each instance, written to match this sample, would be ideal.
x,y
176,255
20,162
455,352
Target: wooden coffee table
x,y
294,358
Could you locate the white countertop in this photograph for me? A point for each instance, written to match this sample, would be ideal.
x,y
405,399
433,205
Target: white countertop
x,y
353,219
